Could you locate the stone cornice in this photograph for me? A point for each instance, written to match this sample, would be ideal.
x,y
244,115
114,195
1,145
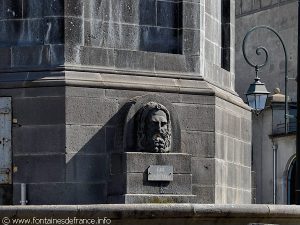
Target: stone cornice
x,y
141,82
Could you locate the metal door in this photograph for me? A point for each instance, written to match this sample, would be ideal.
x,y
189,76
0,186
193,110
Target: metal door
x,y
5,141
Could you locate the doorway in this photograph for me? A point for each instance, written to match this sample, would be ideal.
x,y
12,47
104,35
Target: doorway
x,y
5,151
291,183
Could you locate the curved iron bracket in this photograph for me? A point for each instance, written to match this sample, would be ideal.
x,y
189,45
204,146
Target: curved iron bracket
x,y
259,51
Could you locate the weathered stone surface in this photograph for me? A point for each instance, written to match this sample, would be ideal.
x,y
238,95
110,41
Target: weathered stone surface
x,y
179,63
247,6
62,193
12,9
74,31
139,162
156,39
221,173
57,54
86,167
106,24
33,92
30,56
39,111
89,110
113,135
168,14
151,199
91,139
191,119
97,56
97,34
212,9
191,15
46,139
29,8
191,43
149,12
5,57
6,193
265,3
203,170
73,8
39,168
134,60
204,194
53,8
85,92
137,183
52,29
130,177
198,143
21,32
129,11
213,30
246,131
97,9
198,99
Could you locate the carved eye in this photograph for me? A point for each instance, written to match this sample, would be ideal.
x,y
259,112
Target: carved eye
x,y
163,124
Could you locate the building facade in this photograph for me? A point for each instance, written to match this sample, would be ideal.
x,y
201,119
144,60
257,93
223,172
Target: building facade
x,y
273,150
76,72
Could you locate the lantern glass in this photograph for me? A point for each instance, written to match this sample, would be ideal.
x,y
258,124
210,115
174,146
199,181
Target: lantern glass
x,y
257,101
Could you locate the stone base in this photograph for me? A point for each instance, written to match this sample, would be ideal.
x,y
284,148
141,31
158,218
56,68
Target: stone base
x,y
130,184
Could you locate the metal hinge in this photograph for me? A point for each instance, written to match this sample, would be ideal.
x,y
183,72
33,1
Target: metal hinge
x,y
4,170
4,110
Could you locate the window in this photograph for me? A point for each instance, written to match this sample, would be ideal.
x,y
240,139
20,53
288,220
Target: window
x,y
225,42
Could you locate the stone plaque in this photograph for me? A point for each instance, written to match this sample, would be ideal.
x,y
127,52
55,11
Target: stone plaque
x,y
160,173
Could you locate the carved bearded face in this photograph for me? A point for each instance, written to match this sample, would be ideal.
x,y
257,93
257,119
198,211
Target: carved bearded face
x,y
155,134
156,130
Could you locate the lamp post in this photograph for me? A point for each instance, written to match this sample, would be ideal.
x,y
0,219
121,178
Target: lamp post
x,y
257,93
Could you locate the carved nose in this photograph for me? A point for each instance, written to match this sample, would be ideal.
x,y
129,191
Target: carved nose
x,y
160,129
157,126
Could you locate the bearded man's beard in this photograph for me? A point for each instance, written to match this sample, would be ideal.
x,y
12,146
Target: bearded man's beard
x,y
159,142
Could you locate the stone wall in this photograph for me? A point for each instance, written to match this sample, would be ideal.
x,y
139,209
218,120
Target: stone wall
x,y
119,36
233,153
71,107
33,30
65,137
219,25
131,31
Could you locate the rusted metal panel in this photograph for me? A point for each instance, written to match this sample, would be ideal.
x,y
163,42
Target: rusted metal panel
x,y
5,141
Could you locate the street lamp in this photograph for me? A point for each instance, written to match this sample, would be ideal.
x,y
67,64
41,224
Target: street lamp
x,y
257,93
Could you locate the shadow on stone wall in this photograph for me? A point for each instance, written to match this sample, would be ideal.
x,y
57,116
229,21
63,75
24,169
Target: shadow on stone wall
x,y
88,170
